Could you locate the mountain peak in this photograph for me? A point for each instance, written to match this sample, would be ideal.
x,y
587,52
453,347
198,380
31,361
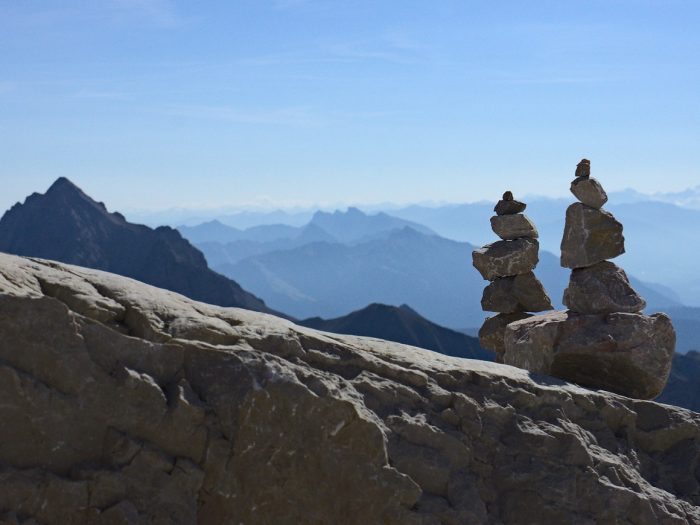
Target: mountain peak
x,y
63,184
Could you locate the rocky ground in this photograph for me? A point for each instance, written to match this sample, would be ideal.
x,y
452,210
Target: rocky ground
x,y
121,403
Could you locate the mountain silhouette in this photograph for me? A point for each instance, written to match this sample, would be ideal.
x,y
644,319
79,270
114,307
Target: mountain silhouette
x,y
402,324
66,225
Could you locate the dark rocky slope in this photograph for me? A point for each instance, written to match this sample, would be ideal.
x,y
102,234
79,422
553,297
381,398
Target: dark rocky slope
x,y
402,324
122,403
66,225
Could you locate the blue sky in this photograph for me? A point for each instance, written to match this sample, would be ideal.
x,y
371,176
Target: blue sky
x,y
151,104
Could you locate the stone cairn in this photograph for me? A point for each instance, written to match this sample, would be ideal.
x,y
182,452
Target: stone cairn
x,y
514,290
603,340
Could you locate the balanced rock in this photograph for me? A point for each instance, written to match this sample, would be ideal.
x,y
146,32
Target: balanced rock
x,y
600,289
506,258
508,205
509,227
493,330
589,191
590,236
521,293
625,353
583,168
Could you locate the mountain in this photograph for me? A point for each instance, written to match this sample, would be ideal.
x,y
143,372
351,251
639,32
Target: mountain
x,y
211,231
403,325
230,416
354,226
683,387
432,274
66,225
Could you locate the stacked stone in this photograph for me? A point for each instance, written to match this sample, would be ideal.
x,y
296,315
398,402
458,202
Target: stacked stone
x,y
591,237
603,340
514,290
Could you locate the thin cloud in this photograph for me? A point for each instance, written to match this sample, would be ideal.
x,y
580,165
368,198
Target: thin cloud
x,y
160,12
287,116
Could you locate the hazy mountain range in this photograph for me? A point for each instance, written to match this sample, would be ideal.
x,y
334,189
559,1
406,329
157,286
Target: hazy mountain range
x,y
66,225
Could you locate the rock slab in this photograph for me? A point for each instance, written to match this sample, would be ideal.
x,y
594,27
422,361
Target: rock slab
x,y
506,258
589,191
509,227
590,236
124,403
600,289
522,293
625,353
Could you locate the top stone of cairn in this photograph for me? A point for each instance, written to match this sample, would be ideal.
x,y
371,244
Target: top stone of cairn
x,y
583,168
508,205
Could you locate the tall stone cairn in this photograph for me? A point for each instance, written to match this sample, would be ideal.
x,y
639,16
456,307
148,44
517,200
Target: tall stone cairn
x,y
514,290
603,340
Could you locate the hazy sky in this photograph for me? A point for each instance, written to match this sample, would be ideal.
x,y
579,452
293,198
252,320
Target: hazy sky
x,y
156,103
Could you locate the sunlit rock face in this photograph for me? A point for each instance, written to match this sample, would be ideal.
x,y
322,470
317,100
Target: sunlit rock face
x,y
124,403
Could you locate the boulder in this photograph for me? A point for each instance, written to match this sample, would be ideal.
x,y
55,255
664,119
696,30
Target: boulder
x,y
590,236
625,353
509,227
589,191
493,330
506,258
522,293
124,403
600,289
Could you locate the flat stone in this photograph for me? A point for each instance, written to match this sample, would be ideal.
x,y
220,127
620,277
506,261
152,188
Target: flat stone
x,y
506,258
589,191
600,289
522,293
590,236
625,353
493,330
583,168
509,207
509,227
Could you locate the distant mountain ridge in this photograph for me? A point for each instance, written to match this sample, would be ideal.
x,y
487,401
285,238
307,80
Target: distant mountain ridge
x,y
66,225
402,324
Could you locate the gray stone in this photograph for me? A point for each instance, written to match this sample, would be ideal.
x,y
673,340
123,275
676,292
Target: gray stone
x,y
625,353
589,191
509,227
509,206
506,258
583,168
493,330
601,288
590,236
522,293
190,413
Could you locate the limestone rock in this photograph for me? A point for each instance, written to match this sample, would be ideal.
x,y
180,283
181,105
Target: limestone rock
x,y
152,408
583,168
601,288
589,191
508,205
493,331
506,258
522,293
590,236
626,353
509,227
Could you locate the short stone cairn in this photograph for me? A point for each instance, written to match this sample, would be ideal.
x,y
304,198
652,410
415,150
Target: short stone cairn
x,y
603,340
514,290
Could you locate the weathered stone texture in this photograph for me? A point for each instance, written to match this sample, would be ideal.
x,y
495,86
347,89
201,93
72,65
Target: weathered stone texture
x,y
589,191
509,227
600,289
626,353
590,236
522,293
506,258
122,403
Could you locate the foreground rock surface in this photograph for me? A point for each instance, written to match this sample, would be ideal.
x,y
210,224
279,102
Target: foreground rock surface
x,y
122,403
626,353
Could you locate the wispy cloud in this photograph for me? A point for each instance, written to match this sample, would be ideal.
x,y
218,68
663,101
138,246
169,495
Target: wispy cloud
x,y
102,95
6,87
160,12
